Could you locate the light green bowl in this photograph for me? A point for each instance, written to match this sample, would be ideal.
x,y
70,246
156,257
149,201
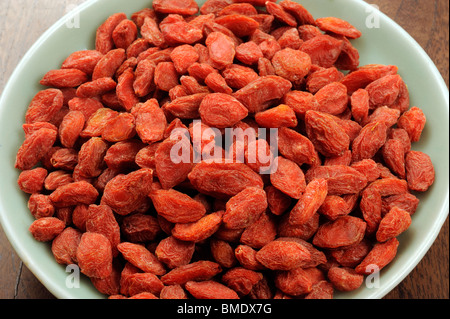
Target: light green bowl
x,y
386,44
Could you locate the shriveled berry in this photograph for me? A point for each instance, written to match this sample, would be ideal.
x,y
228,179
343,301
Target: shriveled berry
x,y
46,228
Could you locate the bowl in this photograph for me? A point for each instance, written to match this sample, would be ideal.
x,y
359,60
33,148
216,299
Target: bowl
x,y
383,42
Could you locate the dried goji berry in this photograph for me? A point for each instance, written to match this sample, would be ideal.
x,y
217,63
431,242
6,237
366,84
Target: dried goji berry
x,y
283,255
221,110
322,77
342,232
104,41
259,94
388,186
177,207
44,106
141,283
64,246
281,115
245,208
349,57
413,121
32,181
261,232
74,193
238,76
64,78
281,14
363,76
308,31
141,258
40,206
108,64
144,74
173,292
210,289
380,256
46,228
352,256
223,253
90,157
294,282
174,252
288,178
199,230
291,64
232,178
298,11
173,167
84,60
394,157
94,255
34,148
120,157
420,172
278,201
370,206
124,34
121,128
183,57
221,49
405,201
150,121
290,39
183,7
327,136
151,32
334,207
87,106
301,102
338,26
176,30
239,24
140,228
371,138
125,89
395,222
324,50
345,279
332,98
100,219
360,105
166,76
308,204
296,147
241,280
248,53
217,83
202,270
127,193
384,91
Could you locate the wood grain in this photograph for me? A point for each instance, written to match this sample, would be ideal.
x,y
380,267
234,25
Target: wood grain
x,y
427,21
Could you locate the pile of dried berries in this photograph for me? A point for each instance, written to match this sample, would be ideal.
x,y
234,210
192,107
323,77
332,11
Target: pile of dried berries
x,y
107,194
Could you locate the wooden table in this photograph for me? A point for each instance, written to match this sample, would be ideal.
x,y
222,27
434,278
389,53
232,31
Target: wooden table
x,y
23,21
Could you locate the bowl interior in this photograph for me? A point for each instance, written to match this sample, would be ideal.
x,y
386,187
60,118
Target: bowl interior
x,y
383,43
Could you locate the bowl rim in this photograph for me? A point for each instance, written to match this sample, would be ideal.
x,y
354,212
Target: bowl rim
x,y
59,292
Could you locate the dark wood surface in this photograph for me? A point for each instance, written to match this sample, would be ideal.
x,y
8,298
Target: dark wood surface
x,y
23,21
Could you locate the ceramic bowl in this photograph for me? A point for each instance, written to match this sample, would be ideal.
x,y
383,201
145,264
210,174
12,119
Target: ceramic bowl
x,y
383,42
